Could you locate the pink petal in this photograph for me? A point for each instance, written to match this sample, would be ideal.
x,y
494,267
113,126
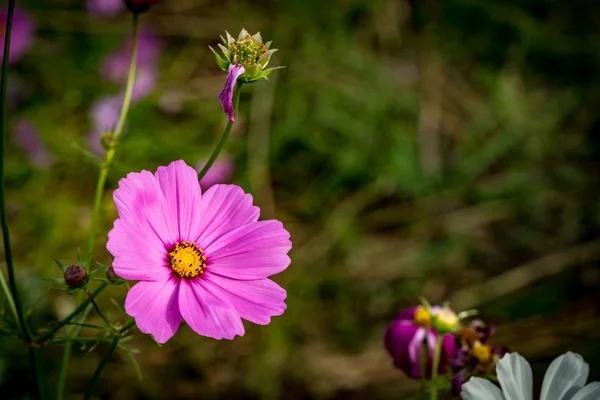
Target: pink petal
x,y
226,95
223,209
256,301
154,307
207,311
414,349
181,189
138,255
141,202
252,251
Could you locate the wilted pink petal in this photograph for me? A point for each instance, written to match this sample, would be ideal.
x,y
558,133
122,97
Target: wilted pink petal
x,y
226,95
202,257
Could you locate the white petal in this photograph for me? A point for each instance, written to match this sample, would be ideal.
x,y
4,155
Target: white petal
x,y
564,377
514,374
480,389
590,392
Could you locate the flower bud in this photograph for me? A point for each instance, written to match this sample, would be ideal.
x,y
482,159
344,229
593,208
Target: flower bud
x,y
111,275
140,6
107,140
445,321
75,276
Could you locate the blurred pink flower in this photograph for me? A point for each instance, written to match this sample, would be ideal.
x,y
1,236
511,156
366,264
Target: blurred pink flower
x,y
105,7
23,30
405,337
27,138
203,257
104,115
220,172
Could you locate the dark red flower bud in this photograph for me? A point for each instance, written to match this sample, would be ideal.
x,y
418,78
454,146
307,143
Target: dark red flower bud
x,y
75,276
111,275
139,6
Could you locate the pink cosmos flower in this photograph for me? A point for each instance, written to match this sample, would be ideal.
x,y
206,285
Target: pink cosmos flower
x,y
203,257
219,172
22,33
405,337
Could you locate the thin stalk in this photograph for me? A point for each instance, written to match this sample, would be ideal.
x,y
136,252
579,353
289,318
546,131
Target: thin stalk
x,y
100,313
110,153
106,358
50,333
64,367
436,365
13,297
223,140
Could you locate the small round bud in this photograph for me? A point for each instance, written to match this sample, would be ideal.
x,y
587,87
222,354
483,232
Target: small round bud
x,y
445,321
75,276
140,6
107,140
111,275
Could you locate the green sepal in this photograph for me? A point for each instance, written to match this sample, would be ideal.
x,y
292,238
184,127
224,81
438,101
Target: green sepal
x,y
62,266
223,64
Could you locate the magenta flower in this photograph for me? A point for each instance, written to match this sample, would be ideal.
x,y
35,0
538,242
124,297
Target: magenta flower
x,y
22,34
226,95
220,172
203,257
105,8
27,138
405,337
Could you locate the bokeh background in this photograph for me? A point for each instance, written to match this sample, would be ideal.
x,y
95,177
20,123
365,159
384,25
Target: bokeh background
x,y
446,149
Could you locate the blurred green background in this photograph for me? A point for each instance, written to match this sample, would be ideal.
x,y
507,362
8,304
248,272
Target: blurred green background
x,y
446,149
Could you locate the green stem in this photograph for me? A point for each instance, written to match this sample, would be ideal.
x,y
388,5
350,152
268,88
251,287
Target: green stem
x,y
64,368
106,358
50,333
110,153
100,313
13,297
436,365
223,140
103,362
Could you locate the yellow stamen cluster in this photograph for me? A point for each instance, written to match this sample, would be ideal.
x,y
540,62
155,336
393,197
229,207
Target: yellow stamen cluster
x,y
422,317
247,51
482,352
187,260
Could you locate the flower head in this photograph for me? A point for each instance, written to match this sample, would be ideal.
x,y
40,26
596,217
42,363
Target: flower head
x,y
75,276
22,33
564,380
244,60
203,257
219,172
476,356
406,335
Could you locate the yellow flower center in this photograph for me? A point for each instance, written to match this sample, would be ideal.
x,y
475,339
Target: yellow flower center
x,y
422,317
187,260
482,352
247,51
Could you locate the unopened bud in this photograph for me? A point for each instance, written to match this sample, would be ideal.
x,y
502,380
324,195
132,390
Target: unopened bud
x,y
111,275
445,321
75,276
107,140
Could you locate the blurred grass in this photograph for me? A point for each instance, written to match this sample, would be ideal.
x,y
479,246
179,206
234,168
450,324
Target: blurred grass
x,y
445,149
